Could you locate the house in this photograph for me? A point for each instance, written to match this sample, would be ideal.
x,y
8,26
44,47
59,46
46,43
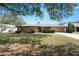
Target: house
x,y
40,27
4,28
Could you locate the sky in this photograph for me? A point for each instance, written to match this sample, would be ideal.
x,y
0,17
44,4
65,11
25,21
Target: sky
x,y
47,20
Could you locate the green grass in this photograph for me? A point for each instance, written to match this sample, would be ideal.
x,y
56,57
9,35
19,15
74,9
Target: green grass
x,y
76,32
45,39
58,40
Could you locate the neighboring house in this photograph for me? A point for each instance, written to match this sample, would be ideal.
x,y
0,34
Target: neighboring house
x,y
4,28
40,27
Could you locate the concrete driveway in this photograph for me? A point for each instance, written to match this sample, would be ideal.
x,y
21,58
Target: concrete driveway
x,y
71,35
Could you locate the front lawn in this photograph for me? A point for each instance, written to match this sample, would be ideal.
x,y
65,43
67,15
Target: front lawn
x,y
29,45
58,40
76,32
36,38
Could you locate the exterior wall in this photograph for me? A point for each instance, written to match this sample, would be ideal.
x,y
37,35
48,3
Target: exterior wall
x,y
58,29
64,29
26,29
23,29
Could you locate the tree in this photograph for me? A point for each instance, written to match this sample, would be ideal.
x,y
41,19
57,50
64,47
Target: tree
x,y
10,19
62,23
56,11
70,28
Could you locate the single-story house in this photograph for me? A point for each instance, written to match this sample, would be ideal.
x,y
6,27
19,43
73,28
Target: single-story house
x,y
40,27
4,28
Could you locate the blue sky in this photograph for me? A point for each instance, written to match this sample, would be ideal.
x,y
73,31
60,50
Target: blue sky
x,y
47,20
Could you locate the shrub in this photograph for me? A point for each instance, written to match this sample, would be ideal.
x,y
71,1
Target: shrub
x,y
32,31
48,31
70,28
19,38
18,31
4,39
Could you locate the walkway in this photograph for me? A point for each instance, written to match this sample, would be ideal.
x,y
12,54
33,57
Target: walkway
x,y
75,36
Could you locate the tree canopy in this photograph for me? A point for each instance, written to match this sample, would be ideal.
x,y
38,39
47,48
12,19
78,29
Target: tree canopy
x,y
10,19
56,11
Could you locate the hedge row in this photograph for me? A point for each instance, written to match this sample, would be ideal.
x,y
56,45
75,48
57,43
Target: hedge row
x,y
32,31
48,31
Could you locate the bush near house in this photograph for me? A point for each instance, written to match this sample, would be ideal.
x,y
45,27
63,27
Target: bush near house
x,y
32,31
48,31
70,28
18,31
